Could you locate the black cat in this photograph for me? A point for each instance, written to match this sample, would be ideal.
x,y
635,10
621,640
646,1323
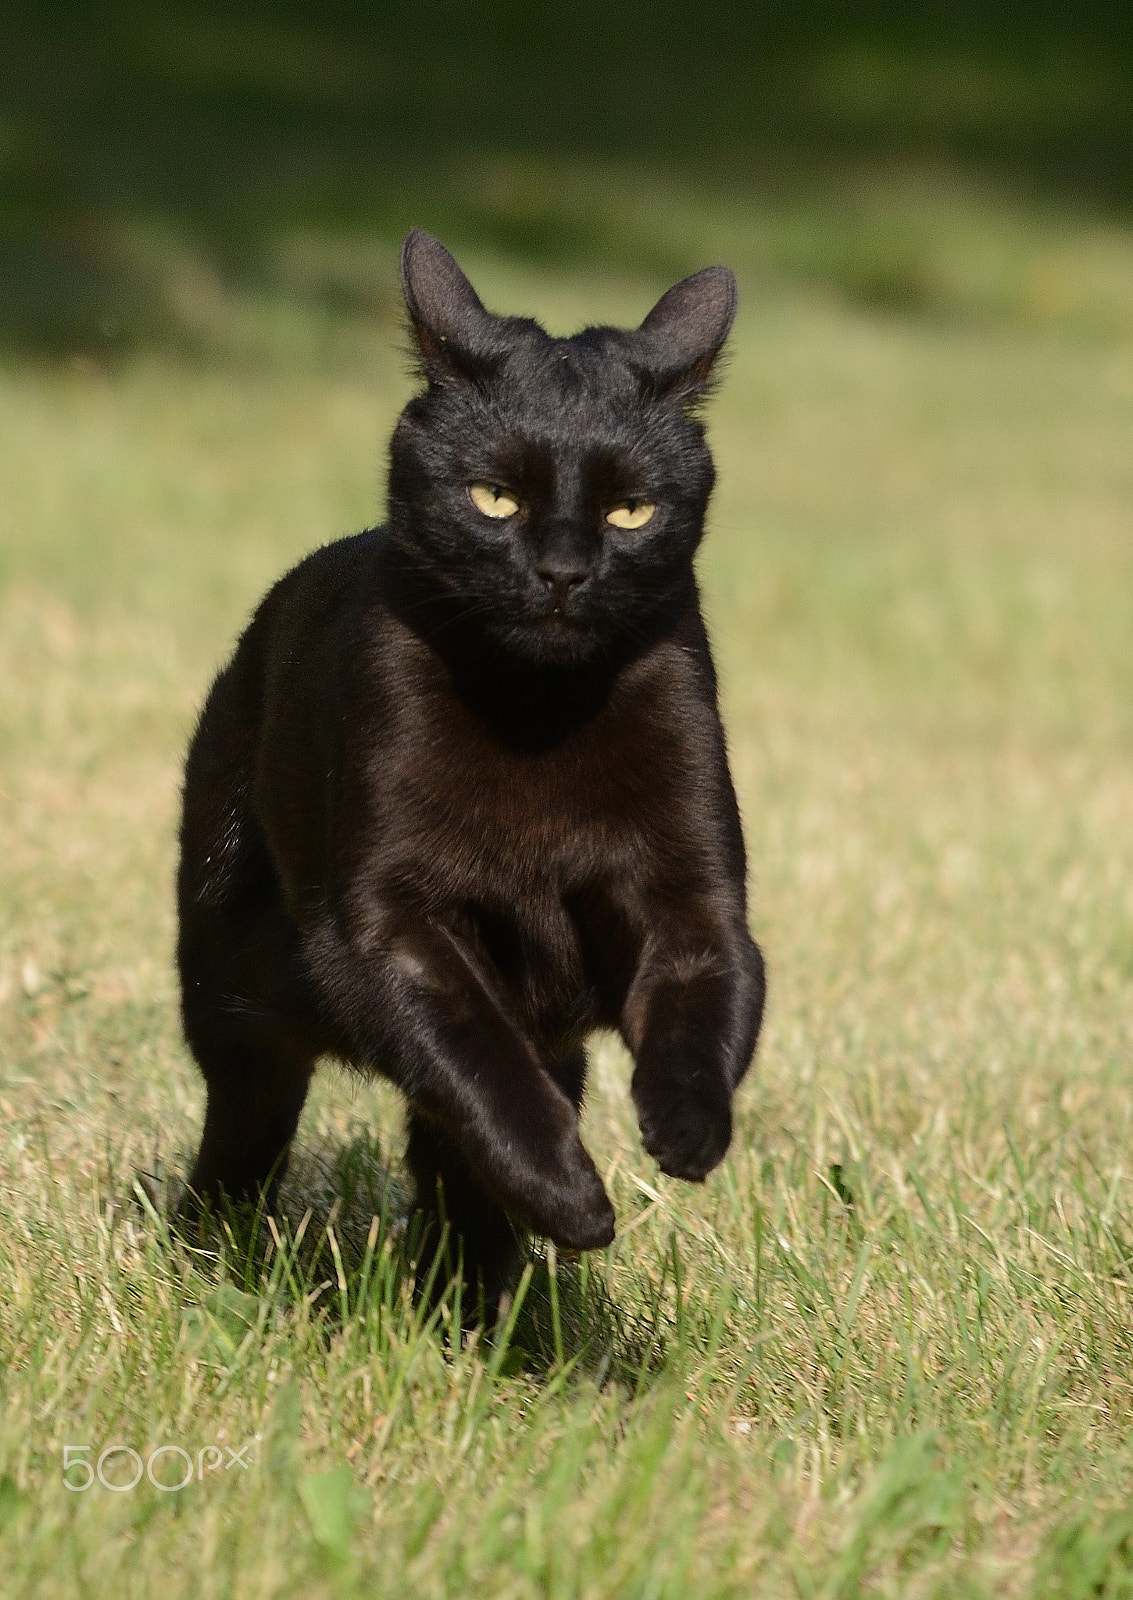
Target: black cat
x,y
462,794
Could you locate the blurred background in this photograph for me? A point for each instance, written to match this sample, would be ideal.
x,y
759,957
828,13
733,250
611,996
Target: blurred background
x,y
918,577
937,160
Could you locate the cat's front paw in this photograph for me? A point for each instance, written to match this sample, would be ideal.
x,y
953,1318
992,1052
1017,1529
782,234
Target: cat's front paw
x,y
686,1125
573,1207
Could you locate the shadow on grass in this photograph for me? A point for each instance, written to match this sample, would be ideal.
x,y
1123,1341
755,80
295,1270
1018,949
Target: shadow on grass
x,y
343,1245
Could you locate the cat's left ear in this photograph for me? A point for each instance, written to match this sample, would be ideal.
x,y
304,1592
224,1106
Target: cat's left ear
x,y
686,330
454,331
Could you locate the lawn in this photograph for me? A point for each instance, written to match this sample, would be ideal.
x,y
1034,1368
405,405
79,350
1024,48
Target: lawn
x,y
886,1349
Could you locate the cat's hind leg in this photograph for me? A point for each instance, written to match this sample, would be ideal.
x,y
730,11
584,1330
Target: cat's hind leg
x,y
250,1024
248,1010
255,1096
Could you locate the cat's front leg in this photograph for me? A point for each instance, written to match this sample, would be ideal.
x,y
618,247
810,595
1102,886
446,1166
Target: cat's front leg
x,y
407,999
691,1019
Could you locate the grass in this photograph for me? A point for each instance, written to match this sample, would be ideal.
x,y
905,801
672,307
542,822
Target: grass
x,y
886,1349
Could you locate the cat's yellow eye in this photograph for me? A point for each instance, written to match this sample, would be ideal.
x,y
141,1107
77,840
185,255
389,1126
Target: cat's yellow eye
x,y
630,513
492,500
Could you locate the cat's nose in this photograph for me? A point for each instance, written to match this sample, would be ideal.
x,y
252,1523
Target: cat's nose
x,y
562,574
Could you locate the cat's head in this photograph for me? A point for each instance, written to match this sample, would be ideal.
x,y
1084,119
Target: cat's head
x,y
549,494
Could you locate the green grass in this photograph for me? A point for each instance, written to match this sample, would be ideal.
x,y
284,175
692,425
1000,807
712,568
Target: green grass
x,y
886,1350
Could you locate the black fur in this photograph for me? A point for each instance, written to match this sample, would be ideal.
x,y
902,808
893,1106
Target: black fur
x,y
462,794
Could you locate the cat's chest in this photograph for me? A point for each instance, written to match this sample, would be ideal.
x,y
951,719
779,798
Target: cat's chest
x,y
471,819
460,814
532,862
445,808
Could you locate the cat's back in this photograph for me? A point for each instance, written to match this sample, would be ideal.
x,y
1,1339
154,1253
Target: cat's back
x,y
287,660
302,618
264,703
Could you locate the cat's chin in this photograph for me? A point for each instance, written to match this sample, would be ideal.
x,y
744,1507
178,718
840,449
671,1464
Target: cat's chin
x,y
555,641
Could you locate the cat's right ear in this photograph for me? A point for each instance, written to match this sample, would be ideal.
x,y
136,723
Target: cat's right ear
x,y
452,328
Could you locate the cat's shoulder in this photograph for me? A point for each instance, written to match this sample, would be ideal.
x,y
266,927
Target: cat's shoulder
x,y
332,570
313,599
